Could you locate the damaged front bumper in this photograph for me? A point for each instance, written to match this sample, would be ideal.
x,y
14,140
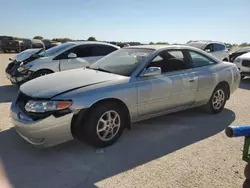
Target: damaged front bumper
x,y
19,77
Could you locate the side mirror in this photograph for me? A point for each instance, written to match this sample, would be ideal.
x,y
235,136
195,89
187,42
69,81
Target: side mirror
x,y
72,56
207,50
10,59
151,71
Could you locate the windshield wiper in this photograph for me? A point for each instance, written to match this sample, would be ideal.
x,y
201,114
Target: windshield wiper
x,y
98,69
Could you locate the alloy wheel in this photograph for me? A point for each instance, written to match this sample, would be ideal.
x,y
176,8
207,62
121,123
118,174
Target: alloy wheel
x,y
218,99
108,125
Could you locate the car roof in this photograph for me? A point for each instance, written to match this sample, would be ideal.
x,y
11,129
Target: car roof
x,y
161,47
92,42
205,41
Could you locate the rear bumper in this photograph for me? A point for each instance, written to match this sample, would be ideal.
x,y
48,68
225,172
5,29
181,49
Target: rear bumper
x,y
46,132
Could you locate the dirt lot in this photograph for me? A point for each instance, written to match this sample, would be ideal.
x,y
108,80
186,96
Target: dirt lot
x,y
186,149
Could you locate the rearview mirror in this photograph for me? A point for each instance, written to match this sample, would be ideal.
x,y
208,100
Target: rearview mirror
x,y
151,71
72,55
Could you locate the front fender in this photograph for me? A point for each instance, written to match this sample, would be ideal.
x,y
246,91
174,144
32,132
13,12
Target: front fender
x,y
51,65
87,97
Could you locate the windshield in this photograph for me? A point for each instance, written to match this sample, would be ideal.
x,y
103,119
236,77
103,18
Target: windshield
x,y
199,45
54,50
123,61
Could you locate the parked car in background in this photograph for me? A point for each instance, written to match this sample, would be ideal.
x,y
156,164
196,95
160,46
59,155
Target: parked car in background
x,y
239,52
243,64
8,44
31,43
95,104
34,63
49,44
217,49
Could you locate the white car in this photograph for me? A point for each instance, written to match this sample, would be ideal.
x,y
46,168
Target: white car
x,y
33,63
217,49
243,64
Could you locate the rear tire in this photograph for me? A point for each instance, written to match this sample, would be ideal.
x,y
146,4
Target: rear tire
x,y
41,73
103,127
218,100
225,59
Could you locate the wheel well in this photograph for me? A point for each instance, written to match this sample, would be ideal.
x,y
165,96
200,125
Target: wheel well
x,y
225,85
40,70
85,113
44,70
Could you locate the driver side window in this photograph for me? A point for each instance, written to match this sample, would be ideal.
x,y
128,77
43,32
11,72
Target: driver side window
x,y
80,51
169,61
209,48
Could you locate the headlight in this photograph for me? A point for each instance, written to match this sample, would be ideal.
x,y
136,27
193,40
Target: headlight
x,y
237,60
46,106
23,68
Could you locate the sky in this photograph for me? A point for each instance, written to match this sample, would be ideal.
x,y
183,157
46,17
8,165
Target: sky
x,y
173,21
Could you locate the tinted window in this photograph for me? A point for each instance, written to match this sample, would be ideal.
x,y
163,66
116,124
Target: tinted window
x,y
216,47
102,50
83,51
169,61
6,38
209,47
200,60
222,47
80,51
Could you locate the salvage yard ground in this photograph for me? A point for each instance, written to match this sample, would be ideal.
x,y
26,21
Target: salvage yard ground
x,y
186,149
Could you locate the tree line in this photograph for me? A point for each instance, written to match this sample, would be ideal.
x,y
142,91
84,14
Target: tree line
x,y
63,40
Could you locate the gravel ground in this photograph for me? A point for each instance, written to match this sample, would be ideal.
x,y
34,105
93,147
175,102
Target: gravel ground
x,y
186,149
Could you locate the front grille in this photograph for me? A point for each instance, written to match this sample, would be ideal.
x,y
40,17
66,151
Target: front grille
x,y
12,67
246,63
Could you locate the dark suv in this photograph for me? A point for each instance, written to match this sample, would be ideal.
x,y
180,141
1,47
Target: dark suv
x,y
8,44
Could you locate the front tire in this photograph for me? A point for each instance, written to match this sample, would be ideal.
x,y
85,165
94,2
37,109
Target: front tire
x,y
104,126
218,100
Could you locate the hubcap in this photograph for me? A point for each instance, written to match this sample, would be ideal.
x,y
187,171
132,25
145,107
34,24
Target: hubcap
x,y
108,125
218,99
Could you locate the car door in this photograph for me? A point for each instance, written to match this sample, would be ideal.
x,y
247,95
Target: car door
x,y
203,68
174,89
83,58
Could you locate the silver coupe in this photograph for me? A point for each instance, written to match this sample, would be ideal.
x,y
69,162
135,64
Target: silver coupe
x,y
96,103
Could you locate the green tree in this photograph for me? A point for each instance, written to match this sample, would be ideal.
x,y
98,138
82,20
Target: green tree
x,y
151,43
38,37
91,39
62,40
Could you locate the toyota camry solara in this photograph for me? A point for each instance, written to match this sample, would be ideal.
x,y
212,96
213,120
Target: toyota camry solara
x,y
96,103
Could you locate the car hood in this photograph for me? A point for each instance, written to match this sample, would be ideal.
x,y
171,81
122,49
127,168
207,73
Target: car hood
x,y
27,54
61,82
245,56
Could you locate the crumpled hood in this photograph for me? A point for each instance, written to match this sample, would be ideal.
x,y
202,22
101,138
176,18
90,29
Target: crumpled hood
x,y
50,85
27,54
245,56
